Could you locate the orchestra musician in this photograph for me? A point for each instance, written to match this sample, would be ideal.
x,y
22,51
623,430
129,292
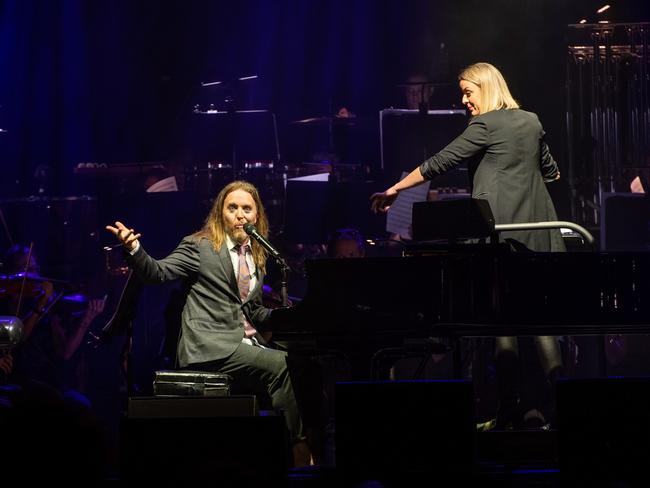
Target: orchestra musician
x,y
346,243
50,337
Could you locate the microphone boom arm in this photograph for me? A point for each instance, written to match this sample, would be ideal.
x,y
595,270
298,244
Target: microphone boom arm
x,y
275,254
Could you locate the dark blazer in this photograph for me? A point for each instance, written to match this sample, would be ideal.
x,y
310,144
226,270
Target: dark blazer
x,y
509,163
211,325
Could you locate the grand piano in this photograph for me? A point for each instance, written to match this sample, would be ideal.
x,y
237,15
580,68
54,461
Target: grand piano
x,y
464,290
363,306
474,291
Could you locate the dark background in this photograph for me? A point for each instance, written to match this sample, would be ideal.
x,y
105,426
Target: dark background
x,y
115,82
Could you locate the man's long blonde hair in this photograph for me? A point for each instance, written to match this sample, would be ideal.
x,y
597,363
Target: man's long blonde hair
x,y
495,94
214,229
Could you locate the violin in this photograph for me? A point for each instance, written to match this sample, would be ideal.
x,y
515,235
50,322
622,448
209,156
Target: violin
x,y
33,287
30,284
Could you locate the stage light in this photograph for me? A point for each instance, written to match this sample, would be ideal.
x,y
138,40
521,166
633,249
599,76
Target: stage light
x,y
602,9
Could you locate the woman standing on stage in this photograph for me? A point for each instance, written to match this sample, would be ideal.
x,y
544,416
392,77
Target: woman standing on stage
x,y
508,160
509,164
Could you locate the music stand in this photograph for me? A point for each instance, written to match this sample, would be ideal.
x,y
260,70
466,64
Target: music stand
x,y
466,218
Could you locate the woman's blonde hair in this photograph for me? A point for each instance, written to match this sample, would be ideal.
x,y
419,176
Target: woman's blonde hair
x,y
214,227
495,94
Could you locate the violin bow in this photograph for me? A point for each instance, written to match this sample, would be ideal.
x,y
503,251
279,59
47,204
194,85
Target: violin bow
x,y
22,284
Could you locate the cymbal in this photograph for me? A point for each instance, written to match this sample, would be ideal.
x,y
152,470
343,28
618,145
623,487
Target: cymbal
x,y
326,120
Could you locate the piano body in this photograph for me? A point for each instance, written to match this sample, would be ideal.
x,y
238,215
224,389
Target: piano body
x,y
478,290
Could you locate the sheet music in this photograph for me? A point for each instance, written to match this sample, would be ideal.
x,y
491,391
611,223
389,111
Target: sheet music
x,y
400,214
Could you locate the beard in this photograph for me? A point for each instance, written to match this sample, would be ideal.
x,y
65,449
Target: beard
x,y
238,235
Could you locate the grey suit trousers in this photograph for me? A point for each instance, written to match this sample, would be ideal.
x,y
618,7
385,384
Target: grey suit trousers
x,y
258,369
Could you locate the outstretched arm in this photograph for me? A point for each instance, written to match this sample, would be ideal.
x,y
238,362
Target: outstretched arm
x,y
465,146
183,261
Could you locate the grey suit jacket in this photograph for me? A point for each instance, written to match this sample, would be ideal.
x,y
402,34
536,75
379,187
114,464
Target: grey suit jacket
x,y
212,325
509,162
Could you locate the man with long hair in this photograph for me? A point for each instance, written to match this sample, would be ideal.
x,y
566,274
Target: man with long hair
x,y
224,271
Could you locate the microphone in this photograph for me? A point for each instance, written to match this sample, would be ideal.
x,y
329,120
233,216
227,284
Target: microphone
x,y
252,231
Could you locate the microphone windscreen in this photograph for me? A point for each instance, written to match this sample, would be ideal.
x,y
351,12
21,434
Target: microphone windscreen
x,y
249,228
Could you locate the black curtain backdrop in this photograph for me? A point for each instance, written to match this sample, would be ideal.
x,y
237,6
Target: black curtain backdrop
x,y
115,81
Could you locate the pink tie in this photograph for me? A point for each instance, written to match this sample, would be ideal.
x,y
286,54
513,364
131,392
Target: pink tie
x,y
244,284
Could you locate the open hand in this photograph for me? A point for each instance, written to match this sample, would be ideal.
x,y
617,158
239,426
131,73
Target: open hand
x,y
126,236
381,202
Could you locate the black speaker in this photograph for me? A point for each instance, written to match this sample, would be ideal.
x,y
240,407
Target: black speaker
x,y
625,222
195,407
604,431
404,430
177,440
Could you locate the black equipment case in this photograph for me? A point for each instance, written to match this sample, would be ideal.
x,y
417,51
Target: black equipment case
x,y
191,383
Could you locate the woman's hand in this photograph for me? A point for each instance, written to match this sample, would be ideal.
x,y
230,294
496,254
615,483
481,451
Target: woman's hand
x,y
126,236
381,202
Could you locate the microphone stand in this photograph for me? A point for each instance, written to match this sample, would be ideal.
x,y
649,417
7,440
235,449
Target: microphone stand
x,y
284,284
284,267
